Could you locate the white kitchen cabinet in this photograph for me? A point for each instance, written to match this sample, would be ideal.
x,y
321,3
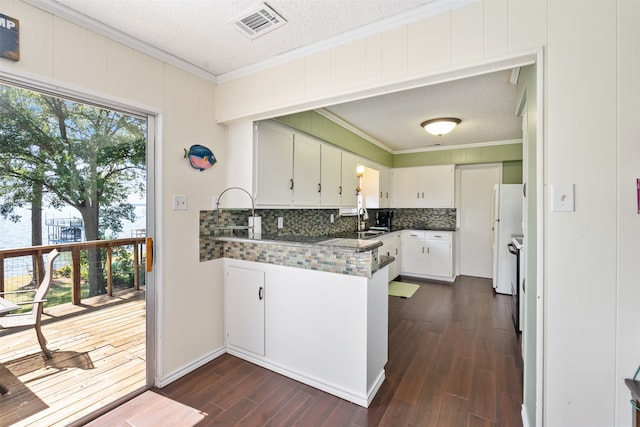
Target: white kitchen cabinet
x,y
439,253
244,309
391,247
427,254
385,187
306,171
294,169
414,253
274,165
330,176
327,330
349,193
423,187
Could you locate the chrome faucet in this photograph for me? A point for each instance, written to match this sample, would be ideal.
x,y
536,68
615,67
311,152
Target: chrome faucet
x,y
365,216
253,207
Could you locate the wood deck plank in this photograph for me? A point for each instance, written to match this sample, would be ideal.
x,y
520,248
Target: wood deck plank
x,y
99,356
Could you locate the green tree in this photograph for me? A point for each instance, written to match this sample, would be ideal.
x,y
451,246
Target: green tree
x,y
57,152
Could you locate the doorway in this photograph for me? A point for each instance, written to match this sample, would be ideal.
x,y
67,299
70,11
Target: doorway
x,y
78,167
476,186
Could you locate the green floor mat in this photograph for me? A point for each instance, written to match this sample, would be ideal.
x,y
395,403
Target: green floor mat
x,y
402,289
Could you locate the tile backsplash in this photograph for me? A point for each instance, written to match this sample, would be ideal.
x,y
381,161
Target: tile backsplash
x,y
317,222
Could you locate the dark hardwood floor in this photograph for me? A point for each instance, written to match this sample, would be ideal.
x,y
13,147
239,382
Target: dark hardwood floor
x,y
454,361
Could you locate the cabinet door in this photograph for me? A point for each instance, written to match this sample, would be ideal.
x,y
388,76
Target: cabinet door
x,y
406,183
414,253
437,186
244,308
274,164
306,171
330,176
385,187
349,197
440,260
390,248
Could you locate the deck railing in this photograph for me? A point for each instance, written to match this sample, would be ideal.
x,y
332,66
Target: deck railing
x,y
75,248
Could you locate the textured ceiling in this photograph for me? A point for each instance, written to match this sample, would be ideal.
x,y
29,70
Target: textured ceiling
x,y
200,33
486,104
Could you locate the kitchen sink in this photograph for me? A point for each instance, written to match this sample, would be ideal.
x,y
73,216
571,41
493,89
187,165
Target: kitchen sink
x,y
368,233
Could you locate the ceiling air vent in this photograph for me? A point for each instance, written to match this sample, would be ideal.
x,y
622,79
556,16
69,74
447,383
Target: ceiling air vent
x,y
259,21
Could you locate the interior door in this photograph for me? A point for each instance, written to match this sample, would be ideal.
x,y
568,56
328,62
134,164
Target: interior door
x,y
476,187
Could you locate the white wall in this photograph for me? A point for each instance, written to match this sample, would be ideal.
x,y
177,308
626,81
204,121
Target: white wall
x,y
589,254
628,220
56,52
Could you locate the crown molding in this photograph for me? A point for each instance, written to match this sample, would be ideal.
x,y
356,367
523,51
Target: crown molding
x,y
348,126
91,24
459,146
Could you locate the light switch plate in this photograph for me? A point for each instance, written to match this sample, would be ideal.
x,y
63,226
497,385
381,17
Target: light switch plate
x,y
562,198
280,222
180,202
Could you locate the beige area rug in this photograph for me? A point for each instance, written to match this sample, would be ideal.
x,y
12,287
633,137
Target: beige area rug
x,y
150,409
402,289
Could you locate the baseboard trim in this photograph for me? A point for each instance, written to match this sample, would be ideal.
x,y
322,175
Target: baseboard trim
x,y
168,379
362,400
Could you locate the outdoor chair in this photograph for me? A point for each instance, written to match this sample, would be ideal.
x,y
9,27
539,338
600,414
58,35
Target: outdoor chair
x,y
33,317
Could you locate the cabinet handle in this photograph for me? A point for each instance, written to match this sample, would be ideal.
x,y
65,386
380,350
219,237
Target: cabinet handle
x,y
417,195
423,249
387,195
423,194
427,250
260,293
396,251
340,192
291,184
381,194
437,236
319,188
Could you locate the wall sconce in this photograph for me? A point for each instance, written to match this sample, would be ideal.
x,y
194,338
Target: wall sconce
x,y
441,126
359,170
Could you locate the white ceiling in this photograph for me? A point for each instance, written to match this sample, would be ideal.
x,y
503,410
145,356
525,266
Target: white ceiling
x,y
199,32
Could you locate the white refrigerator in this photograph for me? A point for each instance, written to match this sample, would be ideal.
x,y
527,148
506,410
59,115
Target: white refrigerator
x,y
506,220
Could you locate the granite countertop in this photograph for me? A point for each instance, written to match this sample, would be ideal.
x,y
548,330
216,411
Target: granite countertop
x,y
345,241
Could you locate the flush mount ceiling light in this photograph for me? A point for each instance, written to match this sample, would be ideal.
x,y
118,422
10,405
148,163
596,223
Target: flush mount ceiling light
x,y
441,126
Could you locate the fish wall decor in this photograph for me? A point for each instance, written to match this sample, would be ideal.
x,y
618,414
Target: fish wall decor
x,y
200,157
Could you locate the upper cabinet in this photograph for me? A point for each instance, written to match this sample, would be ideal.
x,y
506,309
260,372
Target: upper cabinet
x,y
294,169
330,176
423,187
349,190
306,171
274,165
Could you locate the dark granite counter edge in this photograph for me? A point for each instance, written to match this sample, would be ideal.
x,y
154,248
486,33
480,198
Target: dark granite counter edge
x,y
339,244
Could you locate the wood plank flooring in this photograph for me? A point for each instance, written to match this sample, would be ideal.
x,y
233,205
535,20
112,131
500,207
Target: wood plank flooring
x,y
454,361
98,358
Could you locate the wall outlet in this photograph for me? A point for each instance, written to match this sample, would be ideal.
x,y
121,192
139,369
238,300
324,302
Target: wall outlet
x,y
280,222
180,202
332,218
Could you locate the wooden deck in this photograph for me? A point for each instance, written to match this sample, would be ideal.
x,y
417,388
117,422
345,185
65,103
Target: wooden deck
x,y
99,357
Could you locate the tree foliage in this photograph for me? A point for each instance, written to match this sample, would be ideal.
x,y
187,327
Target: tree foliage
x,y
82,156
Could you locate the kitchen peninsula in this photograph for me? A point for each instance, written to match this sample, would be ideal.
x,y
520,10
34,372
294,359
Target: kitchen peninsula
x,y
313,309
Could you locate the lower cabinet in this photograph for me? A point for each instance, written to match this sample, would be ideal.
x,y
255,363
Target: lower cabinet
x,y
244,313
391,246
427,254
327,330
